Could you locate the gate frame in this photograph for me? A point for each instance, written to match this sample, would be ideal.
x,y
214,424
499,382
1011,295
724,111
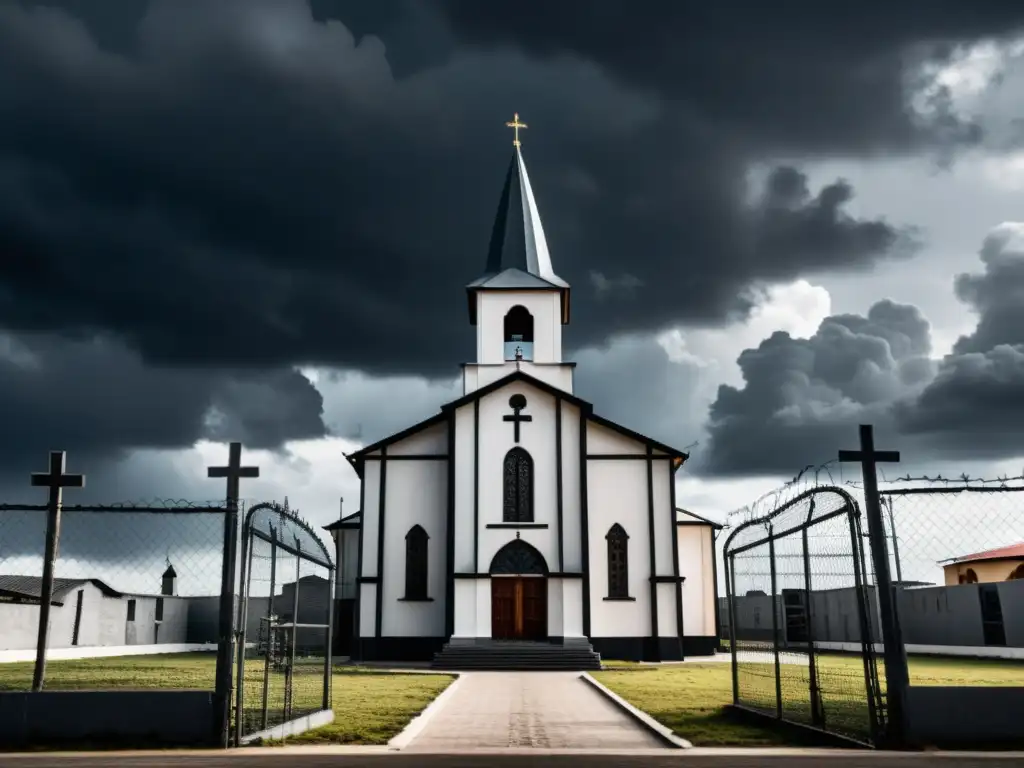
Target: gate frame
x,y
851,509
249,532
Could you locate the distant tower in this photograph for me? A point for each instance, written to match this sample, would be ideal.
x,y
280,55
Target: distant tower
x,y
519,304
169,581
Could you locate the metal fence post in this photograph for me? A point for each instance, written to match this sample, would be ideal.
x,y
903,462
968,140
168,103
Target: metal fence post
x,y
328,702
812,668
775,622
730,587
896,672
233,473
55,480
243,617
270,626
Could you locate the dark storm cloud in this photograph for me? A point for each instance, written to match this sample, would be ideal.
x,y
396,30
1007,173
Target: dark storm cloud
x,y
803,397
237,183
96,399
975,403
805,75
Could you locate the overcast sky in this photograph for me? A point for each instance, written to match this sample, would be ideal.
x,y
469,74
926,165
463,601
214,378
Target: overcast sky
x,y
255,220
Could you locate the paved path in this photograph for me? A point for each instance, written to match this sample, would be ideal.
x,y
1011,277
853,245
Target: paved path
x,y
549,710
534,758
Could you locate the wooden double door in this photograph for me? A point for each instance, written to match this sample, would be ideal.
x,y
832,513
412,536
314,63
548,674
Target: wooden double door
x,y
519,607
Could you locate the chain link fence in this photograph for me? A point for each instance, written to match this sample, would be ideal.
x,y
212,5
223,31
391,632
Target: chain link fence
x,y
132,584
956,556
795,573
286,669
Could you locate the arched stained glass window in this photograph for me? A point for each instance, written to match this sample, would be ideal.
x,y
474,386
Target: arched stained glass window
x,y
618,562
416,563
518,485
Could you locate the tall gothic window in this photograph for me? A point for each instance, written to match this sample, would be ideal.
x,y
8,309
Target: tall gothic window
x,y
416,564
518,479
618,562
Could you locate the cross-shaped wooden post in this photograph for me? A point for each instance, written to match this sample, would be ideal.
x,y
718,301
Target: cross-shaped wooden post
x,y
56,481
896,671
517,403
234,472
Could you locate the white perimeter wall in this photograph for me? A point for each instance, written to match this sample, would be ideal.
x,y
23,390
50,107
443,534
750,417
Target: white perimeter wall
x,y
104,621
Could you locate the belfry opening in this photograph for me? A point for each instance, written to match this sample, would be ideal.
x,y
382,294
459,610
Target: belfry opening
x,y
518,334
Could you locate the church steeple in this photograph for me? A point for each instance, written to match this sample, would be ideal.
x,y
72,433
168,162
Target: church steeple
x,y
518,257
519,304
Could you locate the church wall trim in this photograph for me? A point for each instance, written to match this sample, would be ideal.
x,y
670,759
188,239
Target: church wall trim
x,y
515,526
381,530
627,457
356,639
558,482
584,521
476,485
675,561
652,591
410,457
449,597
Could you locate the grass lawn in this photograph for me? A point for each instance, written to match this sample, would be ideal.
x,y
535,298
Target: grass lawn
x,y
691,698
370,707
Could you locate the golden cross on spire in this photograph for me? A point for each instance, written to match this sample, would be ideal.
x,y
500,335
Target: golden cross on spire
x,y
515,125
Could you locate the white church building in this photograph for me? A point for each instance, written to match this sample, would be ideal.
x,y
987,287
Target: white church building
x,y
517,512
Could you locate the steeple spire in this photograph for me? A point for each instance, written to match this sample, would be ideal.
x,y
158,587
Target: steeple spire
x,y
518,256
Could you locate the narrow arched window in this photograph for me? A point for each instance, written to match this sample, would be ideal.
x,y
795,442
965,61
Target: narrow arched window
x,y
416,563
1018,573
618,562
518,484
518,334
970,577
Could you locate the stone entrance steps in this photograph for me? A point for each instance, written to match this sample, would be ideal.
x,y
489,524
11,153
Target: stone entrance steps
x,y
516,655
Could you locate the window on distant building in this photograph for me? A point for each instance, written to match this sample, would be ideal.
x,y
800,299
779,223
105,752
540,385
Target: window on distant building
x,y
159,609
131,610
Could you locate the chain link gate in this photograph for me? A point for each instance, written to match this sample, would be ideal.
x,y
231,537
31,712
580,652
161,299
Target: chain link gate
x,y
285,624
793,576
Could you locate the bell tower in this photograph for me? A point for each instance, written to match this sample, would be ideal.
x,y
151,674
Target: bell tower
x,y
519,304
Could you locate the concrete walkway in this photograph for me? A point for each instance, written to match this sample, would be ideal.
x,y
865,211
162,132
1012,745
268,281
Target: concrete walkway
x,y
546,710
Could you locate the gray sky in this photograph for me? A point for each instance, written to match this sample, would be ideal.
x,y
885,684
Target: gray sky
x,y
254,220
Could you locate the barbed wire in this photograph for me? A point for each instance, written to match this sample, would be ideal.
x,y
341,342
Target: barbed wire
x,y
144,505
821,475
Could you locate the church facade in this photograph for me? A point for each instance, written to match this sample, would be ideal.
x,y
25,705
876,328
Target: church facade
x,y
517,512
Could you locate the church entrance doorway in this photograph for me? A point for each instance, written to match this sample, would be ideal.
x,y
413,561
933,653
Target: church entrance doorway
x,y
519,593
519,608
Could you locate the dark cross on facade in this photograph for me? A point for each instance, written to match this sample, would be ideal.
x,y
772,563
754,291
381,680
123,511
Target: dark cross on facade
x,y
56,480
517,403
897,673
233,472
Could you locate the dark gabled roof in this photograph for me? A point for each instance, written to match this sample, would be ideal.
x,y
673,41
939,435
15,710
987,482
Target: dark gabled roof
x,y
170,572
517,375
30,587
518,257
351,521
407,432
700,518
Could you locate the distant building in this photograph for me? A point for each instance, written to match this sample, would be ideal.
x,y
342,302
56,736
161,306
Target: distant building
x,y
989,567
87,612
